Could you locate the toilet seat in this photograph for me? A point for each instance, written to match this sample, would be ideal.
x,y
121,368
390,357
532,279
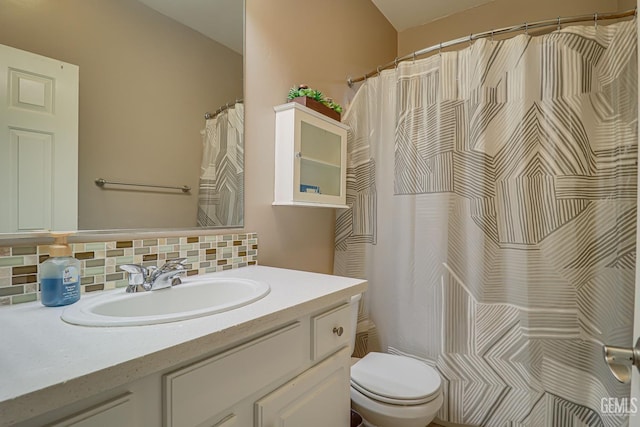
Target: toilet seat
x,y
395,380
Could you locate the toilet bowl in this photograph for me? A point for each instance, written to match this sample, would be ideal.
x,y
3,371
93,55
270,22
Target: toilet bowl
x,y
393,391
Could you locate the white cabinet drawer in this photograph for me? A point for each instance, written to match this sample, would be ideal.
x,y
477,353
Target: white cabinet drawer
x,y
198,393
330,331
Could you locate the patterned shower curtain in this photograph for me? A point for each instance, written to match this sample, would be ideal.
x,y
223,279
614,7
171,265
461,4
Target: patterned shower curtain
x,y
493,211
221,192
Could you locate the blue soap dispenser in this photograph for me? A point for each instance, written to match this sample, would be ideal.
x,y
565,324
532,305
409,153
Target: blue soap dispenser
x,y
60,274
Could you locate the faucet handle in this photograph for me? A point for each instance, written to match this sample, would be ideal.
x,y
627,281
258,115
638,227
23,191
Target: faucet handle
x,y
134,270
137,275
169,265
175,262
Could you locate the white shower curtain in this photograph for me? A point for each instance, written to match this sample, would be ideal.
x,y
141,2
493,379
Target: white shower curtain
x,y
493,208
221,192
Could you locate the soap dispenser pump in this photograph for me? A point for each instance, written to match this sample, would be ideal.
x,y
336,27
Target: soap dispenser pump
x,y
60,274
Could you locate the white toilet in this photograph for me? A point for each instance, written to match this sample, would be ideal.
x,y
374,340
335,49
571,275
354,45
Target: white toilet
x,y
390,390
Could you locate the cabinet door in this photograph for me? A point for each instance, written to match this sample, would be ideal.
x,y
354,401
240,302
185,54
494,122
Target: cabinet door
x,y
317,398
320,167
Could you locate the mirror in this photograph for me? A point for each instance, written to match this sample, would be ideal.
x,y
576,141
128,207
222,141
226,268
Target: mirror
x,y
145,83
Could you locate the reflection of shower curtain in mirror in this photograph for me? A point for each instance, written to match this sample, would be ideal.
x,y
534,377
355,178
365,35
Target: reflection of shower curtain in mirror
x,y
493,212
221,195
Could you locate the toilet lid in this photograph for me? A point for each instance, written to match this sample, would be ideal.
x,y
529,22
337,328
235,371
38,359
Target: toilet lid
x,y
395,379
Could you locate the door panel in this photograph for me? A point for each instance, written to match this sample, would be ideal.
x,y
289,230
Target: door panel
x,y
33,163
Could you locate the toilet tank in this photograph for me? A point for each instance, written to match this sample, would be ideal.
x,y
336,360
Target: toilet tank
x,y
355,300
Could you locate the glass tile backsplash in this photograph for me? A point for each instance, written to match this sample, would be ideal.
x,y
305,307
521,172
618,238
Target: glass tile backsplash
x,y
19,265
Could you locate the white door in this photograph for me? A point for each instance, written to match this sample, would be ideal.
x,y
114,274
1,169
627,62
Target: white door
x,y
38,142
634,419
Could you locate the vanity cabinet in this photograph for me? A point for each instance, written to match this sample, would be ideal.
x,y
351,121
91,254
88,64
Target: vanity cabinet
x,y
295,374
311,158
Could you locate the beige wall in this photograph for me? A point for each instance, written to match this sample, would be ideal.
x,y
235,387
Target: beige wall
x,y
499,14
626,4
319,43
145,83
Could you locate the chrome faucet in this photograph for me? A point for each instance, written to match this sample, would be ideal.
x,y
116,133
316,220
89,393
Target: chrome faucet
x,y
153,278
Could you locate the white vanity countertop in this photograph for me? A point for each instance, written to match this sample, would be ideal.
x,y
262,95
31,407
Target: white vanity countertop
x,y
46,363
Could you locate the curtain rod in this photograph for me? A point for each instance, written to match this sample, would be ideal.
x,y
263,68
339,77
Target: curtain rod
x,y
226,106
471,37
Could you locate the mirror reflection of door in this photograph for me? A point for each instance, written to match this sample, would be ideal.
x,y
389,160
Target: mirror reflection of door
x,y
149,74
38,142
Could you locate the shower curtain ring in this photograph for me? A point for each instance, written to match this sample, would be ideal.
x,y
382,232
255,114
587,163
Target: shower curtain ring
x,y
440,49
526,28
395,62
378,69
595,20
491,35
414,57
559,26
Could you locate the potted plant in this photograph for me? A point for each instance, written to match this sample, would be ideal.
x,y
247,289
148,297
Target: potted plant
x,y
315,100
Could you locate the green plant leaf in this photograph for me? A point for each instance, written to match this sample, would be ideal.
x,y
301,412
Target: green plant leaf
x,y
293,93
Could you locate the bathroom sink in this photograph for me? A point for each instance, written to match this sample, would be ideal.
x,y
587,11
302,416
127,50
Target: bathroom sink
x,y
194,298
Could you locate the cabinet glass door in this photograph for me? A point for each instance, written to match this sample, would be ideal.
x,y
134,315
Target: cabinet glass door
x,y
320,160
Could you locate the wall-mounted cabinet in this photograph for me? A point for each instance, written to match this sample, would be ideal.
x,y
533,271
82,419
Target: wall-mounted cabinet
x,y
311,158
